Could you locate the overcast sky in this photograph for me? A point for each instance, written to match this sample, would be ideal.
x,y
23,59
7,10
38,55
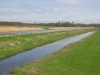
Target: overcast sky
x,y
81,11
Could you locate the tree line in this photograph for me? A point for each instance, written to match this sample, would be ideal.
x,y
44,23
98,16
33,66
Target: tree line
x,y
5,23
70,24
57,24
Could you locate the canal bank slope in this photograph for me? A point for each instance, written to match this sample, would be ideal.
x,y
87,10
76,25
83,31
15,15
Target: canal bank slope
x,y
80,58
12,45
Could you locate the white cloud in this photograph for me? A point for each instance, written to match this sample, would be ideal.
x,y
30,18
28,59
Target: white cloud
x,y
14,10
50,10
70,1
55,9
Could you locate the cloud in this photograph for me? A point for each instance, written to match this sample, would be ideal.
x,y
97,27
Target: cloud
x,y
55,9
70,1
88,7
13,11
82,5
1,1
50,10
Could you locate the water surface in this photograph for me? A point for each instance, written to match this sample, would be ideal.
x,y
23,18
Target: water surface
x,y
26,32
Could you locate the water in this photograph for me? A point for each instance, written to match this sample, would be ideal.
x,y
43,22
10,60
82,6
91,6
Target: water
x,y
26,32
37,53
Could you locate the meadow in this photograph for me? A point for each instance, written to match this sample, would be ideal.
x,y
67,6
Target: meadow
x,y
80,58
12,45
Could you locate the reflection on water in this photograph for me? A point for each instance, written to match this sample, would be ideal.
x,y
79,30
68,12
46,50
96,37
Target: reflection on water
x,y
37,53
26,32
31,32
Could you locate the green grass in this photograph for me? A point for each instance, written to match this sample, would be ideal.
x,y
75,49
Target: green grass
x,y
80,58
12,45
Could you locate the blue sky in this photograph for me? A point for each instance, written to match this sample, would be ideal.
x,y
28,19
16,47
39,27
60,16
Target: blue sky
x,y
30,11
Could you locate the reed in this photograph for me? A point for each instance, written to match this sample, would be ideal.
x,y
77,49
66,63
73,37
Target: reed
x,y
15,28
64,28
33,28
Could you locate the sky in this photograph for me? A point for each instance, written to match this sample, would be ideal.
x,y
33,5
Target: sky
x,y
44,11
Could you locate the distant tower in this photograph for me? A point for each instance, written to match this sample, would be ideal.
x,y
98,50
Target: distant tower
x,y
35,23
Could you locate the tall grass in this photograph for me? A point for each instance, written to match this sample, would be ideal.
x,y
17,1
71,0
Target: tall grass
x,y
16,28
32,28
80,58
67,28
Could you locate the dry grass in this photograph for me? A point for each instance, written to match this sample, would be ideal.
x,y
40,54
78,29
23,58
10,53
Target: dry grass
x,y
2,44
69,28
13,28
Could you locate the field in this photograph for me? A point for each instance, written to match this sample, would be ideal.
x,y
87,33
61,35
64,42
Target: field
x,y
11,45
80,58
69,28
18,28
33,28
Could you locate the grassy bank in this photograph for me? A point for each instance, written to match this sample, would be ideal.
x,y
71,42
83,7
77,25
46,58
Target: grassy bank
x,y
12,45
80,58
